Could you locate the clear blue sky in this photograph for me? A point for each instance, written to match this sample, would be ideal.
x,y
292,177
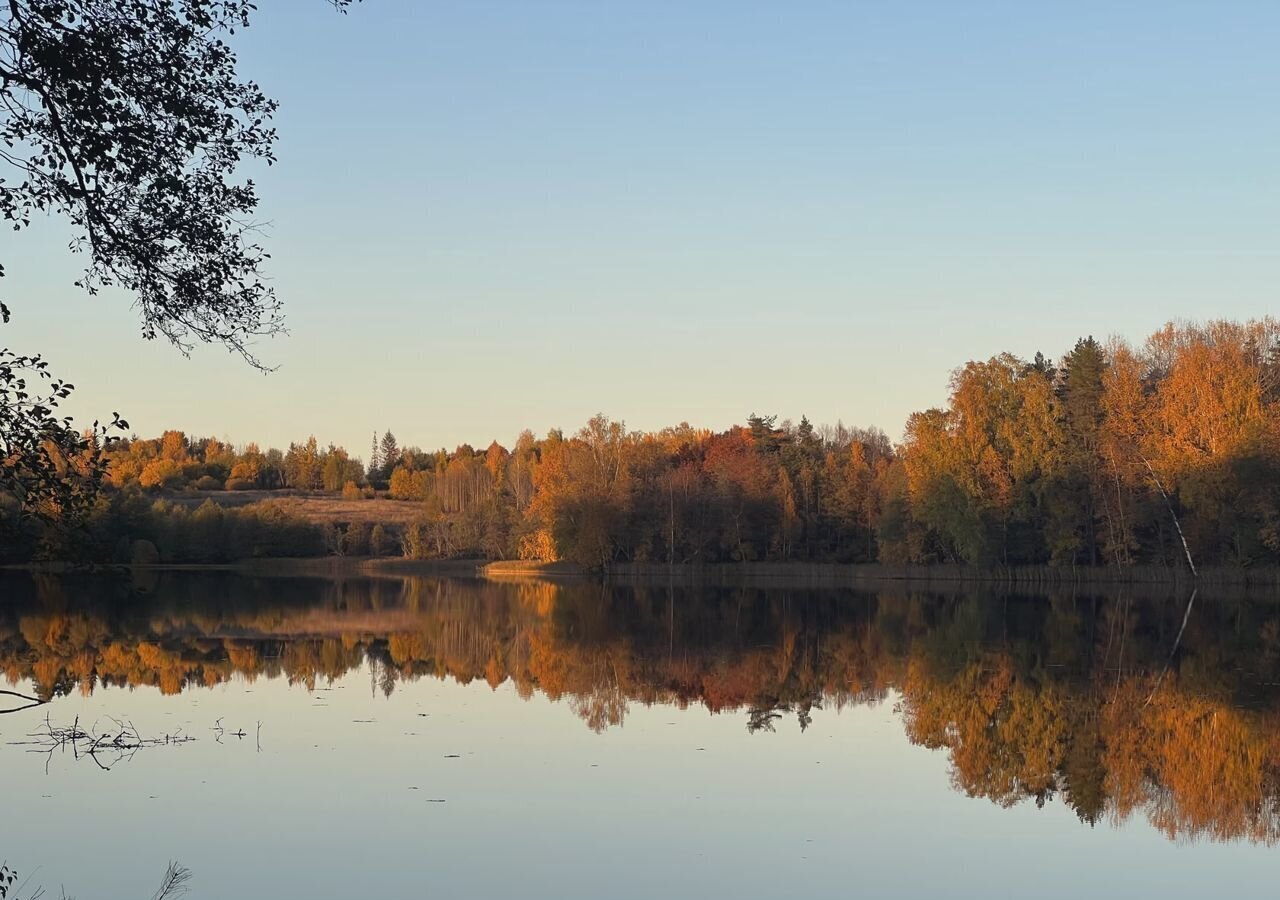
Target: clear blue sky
x,y
490,216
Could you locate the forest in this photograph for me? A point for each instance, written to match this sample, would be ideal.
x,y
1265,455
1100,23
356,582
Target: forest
x,y
1034,697
1167,453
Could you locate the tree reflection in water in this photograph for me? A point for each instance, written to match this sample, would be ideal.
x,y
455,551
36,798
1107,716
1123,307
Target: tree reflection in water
x,y
1032,697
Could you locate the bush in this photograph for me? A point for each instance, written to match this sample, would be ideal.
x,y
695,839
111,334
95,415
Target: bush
x,y
416,541
378,542
240,484
351,491
144,553
208,483
334,541
355,542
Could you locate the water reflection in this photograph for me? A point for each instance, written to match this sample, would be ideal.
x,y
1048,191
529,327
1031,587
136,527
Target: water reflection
x,y
1062,695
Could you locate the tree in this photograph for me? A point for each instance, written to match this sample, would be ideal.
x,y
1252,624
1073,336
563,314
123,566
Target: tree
x,y
338,469
1074,492
355,540
49,473
378,541
249,467
374,471
302,466
128,118
161,473
389,453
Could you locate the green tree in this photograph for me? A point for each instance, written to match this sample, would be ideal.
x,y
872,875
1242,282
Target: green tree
x,y
389,453
1072,505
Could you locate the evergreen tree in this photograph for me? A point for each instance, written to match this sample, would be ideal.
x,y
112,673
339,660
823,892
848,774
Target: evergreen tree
x,y
1080,391
390,453
1072,533
375,461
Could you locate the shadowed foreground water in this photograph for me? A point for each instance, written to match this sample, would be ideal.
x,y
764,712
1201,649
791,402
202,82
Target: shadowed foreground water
x,y
419,736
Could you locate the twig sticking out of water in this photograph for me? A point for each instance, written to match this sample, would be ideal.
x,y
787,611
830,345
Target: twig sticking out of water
x,y
174,883
105,747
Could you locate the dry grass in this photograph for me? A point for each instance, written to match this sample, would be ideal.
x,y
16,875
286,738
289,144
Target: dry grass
x,y
335,509
321,508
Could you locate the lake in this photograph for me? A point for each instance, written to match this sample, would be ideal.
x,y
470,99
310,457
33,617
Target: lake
x,y
412,736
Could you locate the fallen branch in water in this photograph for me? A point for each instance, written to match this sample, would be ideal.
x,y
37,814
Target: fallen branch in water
x,y
30,701
104,747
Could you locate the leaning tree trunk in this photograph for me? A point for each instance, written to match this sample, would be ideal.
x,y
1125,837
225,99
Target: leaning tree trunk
x,y
1176,524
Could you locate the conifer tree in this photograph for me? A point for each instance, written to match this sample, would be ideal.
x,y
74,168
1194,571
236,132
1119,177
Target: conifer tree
x,y
375,461
390,453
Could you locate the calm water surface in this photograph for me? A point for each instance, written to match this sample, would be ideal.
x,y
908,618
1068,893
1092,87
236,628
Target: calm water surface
x,y
428,737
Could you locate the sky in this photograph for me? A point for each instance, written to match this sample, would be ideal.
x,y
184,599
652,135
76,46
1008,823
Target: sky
x,y
495,216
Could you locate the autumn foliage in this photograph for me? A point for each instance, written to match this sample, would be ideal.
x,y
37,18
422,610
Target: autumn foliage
x,y
1111,455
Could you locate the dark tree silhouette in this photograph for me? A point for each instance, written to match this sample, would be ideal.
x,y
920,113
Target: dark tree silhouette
x,y
48,470
128,117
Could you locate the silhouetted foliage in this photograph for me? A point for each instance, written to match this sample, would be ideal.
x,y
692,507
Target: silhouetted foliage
x,y
49,473
128,118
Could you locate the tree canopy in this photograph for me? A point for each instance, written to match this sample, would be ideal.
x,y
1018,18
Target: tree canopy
x,y
129,119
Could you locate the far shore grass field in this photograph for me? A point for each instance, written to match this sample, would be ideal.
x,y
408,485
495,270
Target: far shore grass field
x,y
323,508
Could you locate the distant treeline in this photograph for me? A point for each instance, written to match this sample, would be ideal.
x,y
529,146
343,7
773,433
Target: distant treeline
x,y
1110,455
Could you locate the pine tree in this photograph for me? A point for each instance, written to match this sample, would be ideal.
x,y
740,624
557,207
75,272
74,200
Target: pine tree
x,y
1074,507
375,461
1080,391
390,454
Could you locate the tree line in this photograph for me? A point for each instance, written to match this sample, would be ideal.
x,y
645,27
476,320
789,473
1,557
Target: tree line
x,y
1167,453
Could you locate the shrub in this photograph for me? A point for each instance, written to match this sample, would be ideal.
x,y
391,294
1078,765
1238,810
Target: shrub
x,y
334,540
240,484
144,553
208,483
416,540
351,491
355,542
378,543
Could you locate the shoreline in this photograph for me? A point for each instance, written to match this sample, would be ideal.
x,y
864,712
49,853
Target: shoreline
x,y
767,574
855,574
